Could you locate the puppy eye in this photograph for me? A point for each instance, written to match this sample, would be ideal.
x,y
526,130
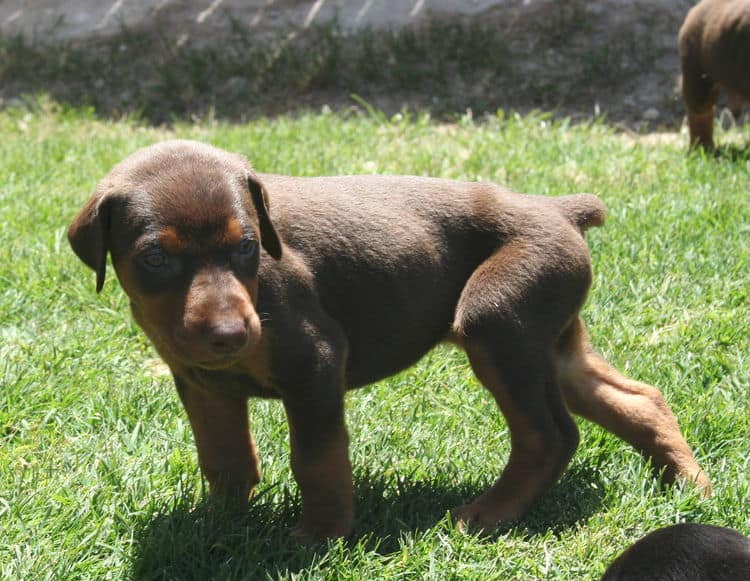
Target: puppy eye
x,y
245,256
247,246
154,260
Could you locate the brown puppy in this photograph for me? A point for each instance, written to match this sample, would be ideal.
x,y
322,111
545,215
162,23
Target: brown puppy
x,y
359,278
685,552
715,54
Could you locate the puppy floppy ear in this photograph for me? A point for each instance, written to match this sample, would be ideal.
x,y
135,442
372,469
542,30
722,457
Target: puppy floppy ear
x,y
268,236
87,235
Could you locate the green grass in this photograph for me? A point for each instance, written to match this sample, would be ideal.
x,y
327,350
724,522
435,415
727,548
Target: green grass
x,y
98,474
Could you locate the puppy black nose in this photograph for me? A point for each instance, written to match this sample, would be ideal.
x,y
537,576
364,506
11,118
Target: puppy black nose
x,y
228,336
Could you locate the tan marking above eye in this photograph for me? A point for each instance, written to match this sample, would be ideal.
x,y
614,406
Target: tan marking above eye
x,y
171,241
174,242
233,233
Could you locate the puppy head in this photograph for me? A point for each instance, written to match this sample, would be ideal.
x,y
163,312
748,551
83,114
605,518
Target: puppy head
x,y
184,223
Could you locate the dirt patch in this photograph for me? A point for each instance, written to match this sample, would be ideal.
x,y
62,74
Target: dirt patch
x,y
232,59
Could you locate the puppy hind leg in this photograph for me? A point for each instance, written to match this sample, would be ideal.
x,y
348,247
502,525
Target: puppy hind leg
x,y
509,317
735,103
632,410
543,435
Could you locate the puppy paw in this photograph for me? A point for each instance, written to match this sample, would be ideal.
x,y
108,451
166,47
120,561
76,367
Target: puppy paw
x,y
701,482
311,533
479,517
688,473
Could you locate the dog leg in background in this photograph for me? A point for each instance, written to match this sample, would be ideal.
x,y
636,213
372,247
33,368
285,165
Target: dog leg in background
x,y
735,103
714,41
700,96
634,411
226,450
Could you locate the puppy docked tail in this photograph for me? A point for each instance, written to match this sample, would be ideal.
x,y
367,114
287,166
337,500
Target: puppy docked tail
x,y
582,210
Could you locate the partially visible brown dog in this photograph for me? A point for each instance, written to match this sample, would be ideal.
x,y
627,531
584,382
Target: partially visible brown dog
x,y
685,552
359,278
715,54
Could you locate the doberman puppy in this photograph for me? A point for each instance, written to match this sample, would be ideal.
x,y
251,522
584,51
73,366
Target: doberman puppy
x,y
685,552
359,277
715,53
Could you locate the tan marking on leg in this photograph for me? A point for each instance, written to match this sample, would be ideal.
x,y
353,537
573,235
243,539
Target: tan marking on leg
x,y
634,411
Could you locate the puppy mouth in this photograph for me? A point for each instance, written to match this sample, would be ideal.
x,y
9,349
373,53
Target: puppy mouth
x,y
216,362
208,354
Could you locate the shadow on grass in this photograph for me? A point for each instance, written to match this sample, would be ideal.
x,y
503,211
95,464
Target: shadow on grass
x,y
184,542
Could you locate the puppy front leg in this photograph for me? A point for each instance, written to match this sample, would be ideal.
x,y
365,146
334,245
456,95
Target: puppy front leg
x,y
226,450
320,463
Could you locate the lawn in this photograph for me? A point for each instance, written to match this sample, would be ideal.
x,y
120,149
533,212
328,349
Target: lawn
x,y
98,473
